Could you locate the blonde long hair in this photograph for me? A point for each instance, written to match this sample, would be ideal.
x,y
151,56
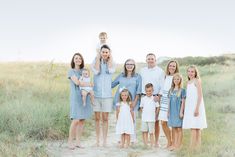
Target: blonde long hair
x,y
197,75
173,84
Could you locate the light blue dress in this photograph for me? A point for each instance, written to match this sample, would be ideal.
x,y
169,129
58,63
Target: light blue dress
x,y
77,110
133,84
175,106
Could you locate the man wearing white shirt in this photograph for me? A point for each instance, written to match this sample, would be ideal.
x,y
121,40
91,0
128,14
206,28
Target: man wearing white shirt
x,y
155,75
149,108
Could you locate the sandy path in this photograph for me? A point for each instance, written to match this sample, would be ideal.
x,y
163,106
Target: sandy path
x,y
59,148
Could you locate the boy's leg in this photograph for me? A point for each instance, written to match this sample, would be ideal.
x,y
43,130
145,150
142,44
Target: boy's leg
x,y
144,129
151,126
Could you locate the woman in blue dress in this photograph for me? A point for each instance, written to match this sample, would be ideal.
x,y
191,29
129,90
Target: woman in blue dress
x,y
78,112
131,81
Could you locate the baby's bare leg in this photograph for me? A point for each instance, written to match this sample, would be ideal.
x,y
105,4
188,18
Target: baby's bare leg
x,y
84,95
92,96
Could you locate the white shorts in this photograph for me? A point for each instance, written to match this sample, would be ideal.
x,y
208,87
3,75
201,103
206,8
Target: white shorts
x,y
103,105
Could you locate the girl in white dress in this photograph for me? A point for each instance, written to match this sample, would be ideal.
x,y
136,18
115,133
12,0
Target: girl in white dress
x,y
125,123
194,112
171,69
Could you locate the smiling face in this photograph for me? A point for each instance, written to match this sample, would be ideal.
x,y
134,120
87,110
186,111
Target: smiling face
x,y
149,91
129,65
172,68
77,60
191,73
124,96
177,80
85,73
151,61
103,39
105,53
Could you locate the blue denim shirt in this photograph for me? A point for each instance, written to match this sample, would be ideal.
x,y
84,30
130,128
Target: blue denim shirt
x,y
103,80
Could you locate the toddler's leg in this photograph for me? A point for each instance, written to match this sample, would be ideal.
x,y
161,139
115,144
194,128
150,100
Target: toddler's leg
x,y
84,94
92,96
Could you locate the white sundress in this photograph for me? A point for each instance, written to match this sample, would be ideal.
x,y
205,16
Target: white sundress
x,y
125,121
190,121
164,102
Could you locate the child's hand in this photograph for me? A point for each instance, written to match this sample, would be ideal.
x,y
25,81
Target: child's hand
x,y
156,98
196,112
91,84
181,115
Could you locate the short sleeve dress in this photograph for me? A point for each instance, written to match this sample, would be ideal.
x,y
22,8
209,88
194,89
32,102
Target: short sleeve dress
x,y
77,110
175,106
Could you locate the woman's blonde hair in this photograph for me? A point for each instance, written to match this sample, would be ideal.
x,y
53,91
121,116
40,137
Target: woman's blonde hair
x,y
168,64
197,75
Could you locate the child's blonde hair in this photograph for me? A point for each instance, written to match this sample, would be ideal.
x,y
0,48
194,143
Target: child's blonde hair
x,y
128,100
103,34
197,75
180,84
167,67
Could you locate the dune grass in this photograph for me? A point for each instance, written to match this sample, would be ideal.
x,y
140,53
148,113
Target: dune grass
x,y
34,103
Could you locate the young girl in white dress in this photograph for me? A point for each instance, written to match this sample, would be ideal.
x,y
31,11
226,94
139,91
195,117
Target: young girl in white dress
x,y
124,114
194,112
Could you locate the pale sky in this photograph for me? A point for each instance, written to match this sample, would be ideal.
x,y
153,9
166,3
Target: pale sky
x,y
45,30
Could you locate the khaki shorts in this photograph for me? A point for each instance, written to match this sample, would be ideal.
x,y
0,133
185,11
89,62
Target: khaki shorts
x,y
103,105
148,127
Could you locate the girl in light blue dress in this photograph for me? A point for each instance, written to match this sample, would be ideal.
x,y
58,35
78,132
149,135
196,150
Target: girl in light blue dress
x,y
175,110
130,80
78,113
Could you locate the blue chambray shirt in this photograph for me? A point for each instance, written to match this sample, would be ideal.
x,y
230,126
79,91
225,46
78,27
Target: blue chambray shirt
x,y
103,80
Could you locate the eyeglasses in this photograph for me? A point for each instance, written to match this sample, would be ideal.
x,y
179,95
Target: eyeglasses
x,y
130,64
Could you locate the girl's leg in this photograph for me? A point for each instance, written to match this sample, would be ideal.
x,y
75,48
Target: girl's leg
x,y
198,138
193,139
97,128
167,133
173,146
72,132
157,133
173,135
122,141
127,140
133,136
79,132
180,137
105,116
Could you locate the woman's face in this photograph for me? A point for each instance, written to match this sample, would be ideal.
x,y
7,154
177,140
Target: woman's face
x,y
77,60
130,65
172,68
191,73
105,53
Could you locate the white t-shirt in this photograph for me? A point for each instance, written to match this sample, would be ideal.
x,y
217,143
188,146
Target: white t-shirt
x,y
149,108
152,75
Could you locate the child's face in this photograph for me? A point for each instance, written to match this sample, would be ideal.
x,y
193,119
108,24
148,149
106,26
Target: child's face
x,y
124,96
103,39
151,61
177,80
149,91
85,73
105,53
77,60
191,73
172,68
